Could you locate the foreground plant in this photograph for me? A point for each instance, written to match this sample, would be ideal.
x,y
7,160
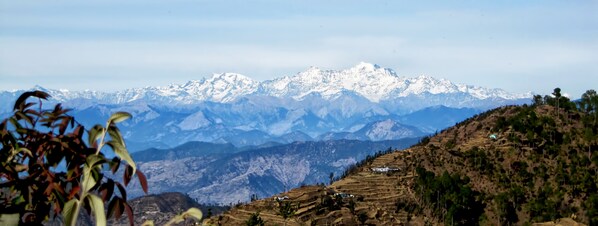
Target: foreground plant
x,y
48,169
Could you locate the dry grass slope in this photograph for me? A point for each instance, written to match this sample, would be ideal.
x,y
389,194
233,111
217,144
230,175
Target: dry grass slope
x,y
513,159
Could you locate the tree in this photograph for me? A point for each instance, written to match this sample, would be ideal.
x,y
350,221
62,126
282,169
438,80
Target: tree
x,y
255,220
254,197
589,105
591,206
557,95
351,206
52,165
506,209
589,101
362,217
537,101
286,210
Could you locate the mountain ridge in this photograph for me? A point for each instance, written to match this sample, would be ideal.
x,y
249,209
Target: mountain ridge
x,y
231,107
513,165
225,174
371,81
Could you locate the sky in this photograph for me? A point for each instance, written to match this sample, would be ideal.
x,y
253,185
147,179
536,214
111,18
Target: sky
x,y
110,45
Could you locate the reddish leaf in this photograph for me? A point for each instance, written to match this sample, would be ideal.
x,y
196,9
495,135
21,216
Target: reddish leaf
x,y
74,191
78,132
58,188
121,189
27,105
115,164
20,101
49,189
107,189
142,180
64,124
115,208
129,213
127,175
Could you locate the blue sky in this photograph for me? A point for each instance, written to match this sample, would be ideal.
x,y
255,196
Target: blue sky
x,y
109,45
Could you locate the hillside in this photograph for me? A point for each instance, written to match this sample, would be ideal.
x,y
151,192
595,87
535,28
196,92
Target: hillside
x,y
511,165
163,207
224,174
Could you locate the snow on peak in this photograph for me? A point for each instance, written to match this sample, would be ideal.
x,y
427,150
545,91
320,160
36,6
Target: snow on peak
x,y
313,69
364,79
364,66
426,84
368,80
231,78
224,87
374,83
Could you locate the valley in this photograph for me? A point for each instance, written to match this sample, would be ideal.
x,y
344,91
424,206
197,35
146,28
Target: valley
x,y
224,175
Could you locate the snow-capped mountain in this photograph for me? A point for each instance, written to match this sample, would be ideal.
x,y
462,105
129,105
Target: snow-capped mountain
x,y
310,103
372,82
368,80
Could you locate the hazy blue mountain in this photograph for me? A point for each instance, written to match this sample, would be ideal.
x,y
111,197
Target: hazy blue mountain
x,y
294,136
376,131
432,119
232,108
189,149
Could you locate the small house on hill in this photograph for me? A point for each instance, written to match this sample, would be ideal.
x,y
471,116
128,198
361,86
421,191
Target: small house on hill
x,y
344,195
384,169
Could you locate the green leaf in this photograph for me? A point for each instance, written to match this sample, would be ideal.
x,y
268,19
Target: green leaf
x,y
122,153
119,117
15,123
25,151
115,135
97,206
21,115
94,160
148,223
70,212
18,200
95,133
175,220
191,212
88,181
9,219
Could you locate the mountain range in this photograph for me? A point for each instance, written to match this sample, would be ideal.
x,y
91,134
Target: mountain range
x,y
316,104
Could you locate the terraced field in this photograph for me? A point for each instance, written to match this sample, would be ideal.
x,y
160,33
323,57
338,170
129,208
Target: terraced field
x,y
501,167
373,194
